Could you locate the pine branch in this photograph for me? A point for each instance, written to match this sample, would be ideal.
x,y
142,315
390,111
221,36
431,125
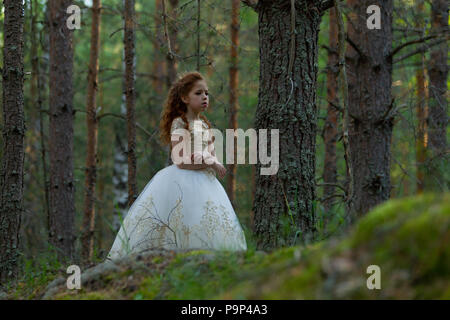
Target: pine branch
x,y
404,45
424,48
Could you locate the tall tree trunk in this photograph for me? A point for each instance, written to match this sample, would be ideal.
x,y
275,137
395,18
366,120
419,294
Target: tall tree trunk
x,y
34,202
438,103
11,177
159,65
287,101
343,88
130,94
42,98
198,34
33,118
91,121
99,216
421,127
120,169
171,35
330,133
234,82
370,130
420,108
62,212
172,63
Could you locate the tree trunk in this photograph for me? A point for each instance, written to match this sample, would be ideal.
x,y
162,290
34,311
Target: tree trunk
x,y
62,212
198,35
120,169
438,110
33,111
11,178
330,133
130,94
370,130
91,122
234,82
171,33
287,101
420,108
172,63
42,98
159,65
421,127
120,174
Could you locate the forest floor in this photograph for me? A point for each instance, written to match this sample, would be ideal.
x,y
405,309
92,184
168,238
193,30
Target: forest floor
x,y
407,238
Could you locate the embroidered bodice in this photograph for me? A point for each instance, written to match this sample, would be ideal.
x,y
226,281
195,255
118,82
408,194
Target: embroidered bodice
x,y
196,129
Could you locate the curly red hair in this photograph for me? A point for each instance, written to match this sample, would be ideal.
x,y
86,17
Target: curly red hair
x,y
175,107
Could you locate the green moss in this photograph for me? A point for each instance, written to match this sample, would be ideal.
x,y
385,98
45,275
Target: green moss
x,y
149,288
407,238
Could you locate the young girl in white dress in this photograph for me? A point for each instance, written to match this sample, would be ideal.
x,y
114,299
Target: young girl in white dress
x,y
183,206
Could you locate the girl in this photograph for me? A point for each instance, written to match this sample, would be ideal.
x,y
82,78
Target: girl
x,y
183,206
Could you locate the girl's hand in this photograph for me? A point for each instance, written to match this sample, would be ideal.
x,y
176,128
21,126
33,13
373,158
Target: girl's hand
x,y
220,169
196,157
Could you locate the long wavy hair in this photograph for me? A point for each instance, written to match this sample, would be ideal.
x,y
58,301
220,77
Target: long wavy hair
x,y
175,107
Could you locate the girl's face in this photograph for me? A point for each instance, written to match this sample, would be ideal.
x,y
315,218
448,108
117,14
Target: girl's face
x,y
198,98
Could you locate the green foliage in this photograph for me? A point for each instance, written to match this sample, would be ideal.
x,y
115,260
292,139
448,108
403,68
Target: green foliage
x,y
36,273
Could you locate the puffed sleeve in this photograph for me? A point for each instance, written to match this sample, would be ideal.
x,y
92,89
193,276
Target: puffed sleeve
x,y
177,123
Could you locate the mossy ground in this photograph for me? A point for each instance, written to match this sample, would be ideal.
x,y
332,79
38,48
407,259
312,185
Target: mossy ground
x,y
407,238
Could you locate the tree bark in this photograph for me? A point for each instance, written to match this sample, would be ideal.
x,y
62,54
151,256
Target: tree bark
x,y
120,170
130,94
421,108
198,35
62,189
234,83
287,101
37,87
330,133
43,67
159,65
11,178
438,104
421,128
92,131
171,35
172,63
370,130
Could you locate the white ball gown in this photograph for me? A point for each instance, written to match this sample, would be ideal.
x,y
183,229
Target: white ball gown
x,y
180,209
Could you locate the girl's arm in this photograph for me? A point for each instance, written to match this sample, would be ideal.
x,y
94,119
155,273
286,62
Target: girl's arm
x,y
212,150
188,166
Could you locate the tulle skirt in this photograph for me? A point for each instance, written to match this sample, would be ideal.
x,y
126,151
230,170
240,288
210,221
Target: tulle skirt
x,y
180,209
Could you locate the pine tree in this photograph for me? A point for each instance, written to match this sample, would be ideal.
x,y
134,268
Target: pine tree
x,y
288,42
62,190
11,176
370,104
92,130
234,83
130,95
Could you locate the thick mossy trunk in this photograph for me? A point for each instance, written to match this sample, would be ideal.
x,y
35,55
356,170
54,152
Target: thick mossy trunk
x,y
286,198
